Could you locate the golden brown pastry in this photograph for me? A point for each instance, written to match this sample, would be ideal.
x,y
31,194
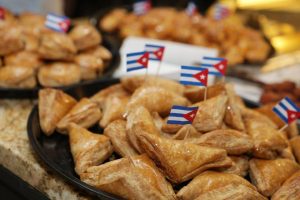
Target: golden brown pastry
x,y
158,121
290,189
113,108
186,132
139,119
130,178
56,46
268,175
134,82
179,160
233,116
116,131
295,145
17,77
59,74
209,181
90,66
161,100
85,114
112,21
171,128
249,114
53,105
85,36
31,38
287,153
87,148
210,113
10,39
101,96
31,19
23,58
99,52
268,141
240,166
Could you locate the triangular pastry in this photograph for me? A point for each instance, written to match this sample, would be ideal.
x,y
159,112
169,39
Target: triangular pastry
x,y
87,148
85,113
268,175
210,113
116,131
186,132
240,166
179,160
53,106
131,178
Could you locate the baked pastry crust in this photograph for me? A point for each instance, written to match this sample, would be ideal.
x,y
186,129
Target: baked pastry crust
x,y
17,77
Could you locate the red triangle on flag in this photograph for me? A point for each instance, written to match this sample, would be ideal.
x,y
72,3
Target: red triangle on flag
x,y
190,116
292,115
221,66
2,13
202,76
159,53
64,25
143,60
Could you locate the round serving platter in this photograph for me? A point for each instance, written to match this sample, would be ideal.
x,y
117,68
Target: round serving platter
x,y
54,150
31,93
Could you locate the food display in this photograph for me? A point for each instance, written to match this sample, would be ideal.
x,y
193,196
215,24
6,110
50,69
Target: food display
x,y
228,151
32,55
236,42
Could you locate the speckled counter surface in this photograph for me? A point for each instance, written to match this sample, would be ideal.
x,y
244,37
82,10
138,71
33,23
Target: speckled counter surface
x,y
17,156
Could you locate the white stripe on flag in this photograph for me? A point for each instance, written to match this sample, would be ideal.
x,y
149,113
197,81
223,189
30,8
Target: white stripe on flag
x,y
53,25
177,111
281,110
173,118
134,65
131,58
190,79
55,18
288,105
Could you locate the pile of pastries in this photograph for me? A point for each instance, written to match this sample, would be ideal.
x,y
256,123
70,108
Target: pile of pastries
x,y
235,41
212,158
32,54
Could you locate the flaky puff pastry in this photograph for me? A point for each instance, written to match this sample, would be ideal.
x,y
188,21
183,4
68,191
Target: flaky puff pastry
x,y
233,116
268,141
23,58
10,38
132,178
134,82
85,36
268,175
101,96
196,94
31,19
139,119
210,113
112,21
56,46
59,74
155,99
85,114
209,181
90,66
116,131
179,160
99,52
240,166
234,142
186,132
87,148
290,190
113,108
295,144
17,77
53,106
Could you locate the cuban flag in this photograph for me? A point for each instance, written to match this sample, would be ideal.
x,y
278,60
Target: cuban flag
x,y
216,66
156,52
141,7
191,75
191,8
2,13
137,60
221,12
287,110
182,115
57,23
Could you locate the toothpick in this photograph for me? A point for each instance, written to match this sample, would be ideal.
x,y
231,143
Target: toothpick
x,y
158,69
146,74
284,127
205,93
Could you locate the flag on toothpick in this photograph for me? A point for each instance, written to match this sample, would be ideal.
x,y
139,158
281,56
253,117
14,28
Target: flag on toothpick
x,y
182,115
57,23
216,66
193,76
287,110
2,13
221,11
141,7
137,60
191,8
156,52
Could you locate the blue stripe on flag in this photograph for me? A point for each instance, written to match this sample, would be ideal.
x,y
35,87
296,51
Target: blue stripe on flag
x,y
131,61
154,59
152,45
178,122
186,75
135,68
212,58
192,68
285,119
135,54
191,83
292,104
184,108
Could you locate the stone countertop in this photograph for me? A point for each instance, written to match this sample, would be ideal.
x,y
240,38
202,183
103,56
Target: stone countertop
x,y
17,155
